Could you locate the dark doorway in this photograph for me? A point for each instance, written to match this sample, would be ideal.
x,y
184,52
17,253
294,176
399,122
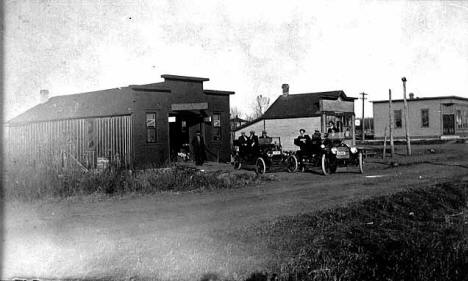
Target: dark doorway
x,y
448,124
181,127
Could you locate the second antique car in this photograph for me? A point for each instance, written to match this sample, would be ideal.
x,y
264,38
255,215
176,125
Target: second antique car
x,y
266,157
329,154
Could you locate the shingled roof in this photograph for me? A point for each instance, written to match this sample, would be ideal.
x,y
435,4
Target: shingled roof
x,y
301,105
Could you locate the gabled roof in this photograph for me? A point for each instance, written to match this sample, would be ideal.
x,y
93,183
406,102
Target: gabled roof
x,y
301,105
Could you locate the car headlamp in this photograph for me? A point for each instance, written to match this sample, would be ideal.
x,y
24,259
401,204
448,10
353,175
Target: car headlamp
x,y
322,146
353,149
334,150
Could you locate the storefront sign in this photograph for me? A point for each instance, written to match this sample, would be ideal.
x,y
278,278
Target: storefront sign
x,y
336,106
189,106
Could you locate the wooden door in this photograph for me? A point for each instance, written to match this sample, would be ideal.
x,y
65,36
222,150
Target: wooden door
x,y
448,124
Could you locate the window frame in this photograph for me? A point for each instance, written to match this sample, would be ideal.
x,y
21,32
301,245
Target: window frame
x,y
423,125
151,128
216,130
400,113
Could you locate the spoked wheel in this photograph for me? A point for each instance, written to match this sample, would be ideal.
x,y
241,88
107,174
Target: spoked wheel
x,y
325,165
260,166
292,164
237,162
360,164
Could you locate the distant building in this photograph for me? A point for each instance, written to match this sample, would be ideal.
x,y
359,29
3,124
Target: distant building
x,y
138,125
237,122
428,117
309,111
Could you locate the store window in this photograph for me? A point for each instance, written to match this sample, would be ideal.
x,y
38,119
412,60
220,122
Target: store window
x,y
424,118
151,127
397,118
216,126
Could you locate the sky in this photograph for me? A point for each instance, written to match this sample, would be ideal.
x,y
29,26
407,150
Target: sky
x,y
250,47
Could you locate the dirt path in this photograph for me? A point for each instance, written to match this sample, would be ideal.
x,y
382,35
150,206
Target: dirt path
x,y
181,236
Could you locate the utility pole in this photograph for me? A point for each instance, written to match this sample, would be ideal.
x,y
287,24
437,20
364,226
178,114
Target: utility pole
x,y
408,142
390,120
362,125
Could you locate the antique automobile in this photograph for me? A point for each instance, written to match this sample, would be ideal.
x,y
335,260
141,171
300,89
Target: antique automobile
x,y
266,157
329,154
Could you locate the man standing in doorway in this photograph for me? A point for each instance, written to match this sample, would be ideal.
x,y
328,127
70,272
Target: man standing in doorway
x,y
198,146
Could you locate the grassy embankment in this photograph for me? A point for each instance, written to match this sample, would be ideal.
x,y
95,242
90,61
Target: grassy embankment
x,y
411,235
28,183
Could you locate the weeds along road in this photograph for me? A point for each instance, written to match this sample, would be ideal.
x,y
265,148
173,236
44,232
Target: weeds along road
x,y
182,236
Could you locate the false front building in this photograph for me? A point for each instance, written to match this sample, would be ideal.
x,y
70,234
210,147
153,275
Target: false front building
x,y
309,111
138,125
429,117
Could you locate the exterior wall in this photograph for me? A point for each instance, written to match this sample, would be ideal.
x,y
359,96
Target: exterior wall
x,y
81,140
287,129
219,148
416,130
150,153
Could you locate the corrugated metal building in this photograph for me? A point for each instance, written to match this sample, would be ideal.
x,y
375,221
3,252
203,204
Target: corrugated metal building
x,y
138,125
429,117
309,111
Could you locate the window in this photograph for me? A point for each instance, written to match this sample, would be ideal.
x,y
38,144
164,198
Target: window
x,y
461,119
151,127
397,118
216,126
425,118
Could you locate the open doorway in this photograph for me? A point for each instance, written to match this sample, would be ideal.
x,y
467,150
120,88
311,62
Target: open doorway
x,y
182,126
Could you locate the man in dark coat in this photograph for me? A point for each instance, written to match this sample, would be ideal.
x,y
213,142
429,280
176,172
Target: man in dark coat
x,y
252,144
198,145
243,144
303,141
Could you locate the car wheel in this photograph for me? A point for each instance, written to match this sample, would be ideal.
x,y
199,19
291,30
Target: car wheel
x,y
260,166
237,163
292,164
360,164
325,165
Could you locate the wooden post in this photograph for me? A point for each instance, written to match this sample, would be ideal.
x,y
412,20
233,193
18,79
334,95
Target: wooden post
x,y
408,142
384,143
390,121
353,129
362,125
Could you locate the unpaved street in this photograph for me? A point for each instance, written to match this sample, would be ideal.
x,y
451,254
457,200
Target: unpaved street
x,y
174,236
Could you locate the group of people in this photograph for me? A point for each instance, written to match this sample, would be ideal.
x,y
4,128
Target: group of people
x,y
306,143
249,144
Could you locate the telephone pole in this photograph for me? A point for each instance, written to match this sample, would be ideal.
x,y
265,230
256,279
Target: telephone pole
x,y
362,125
390,120
408,142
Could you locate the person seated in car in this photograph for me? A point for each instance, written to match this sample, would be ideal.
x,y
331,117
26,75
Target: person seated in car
x,y
303,141
264,138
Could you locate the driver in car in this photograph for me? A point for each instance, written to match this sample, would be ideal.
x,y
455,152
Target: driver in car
x,y
264,138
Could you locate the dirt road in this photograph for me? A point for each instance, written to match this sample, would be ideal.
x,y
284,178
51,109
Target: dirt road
x,y
182,236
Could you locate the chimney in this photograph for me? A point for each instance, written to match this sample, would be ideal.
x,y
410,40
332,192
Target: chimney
x,y
411,96
43,96
285,89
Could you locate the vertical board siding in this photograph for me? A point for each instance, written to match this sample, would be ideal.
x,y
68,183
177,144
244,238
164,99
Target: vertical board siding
x,y
44,141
